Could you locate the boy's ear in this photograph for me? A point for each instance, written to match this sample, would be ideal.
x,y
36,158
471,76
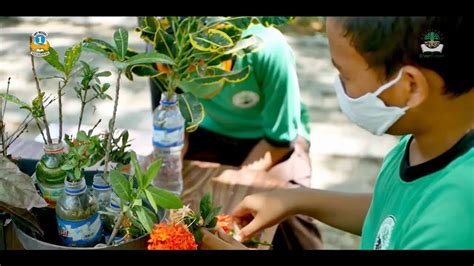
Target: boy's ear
x,y
418,88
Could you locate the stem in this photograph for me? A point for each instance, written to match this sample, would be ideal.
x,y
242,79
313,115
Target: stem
x,y
23,125
2,124
2,133
60,89
166,45
83,105
116,228
93,98
4,109
111,127
45,121
41,130
17,136
96,124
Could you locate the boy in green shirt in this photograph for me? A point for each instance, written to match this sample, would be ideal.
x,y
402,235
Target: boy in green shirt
x,y
398,75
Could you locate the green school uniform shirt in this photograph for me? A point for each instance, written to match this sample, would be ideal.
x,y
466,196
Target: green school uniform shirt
x,y
427,206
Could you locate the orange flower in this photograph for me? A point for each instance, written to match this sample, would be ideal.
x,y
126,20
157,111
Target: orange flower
x,y
171,237
224,222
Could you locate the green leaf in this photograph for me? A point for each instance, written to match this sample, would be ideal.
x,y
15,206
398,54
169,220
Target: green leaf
x,y
164,42
213,41
13,99
67,166
138,202
143,70
137,170
197,236
250,44
92,47
82,136
233,76
192,110
151,172
242,22
151,23
77,173
124,137
146,217
205,205
104,74
120,185
211,216
212,221
53,59
104,45
274,20
164,198
151,200
121,42
145,58
70,58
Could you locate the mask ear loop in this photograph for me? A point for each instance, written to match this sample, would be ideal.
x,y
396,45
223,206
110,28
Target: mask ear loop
x,y
389,84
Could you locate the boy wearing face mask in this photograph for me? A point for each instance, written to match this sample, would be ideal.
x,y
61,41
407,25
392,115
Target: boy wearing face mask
x,y
395,78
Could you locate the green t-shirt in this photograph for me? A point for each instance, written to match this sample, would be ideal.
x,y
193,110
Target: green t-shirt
x,y
427,206
266,104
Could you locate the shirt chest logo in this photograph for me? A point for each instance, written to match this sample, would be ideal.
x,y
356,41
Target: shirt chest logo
x,y
384,234
245,99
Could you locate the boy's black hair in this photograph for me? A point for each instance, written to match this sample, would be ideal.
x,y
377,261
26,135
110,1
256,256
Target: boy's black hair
x,y
388,43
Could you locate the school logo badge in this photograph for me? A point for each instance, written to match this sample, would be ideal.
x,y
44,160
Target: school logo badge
x,y
382,240
245,99
432,43
39,46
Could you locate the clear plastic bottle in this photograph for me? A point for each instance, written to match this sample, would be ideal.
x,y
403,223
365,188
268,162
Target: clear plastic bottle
x,y
110,219
49,175
101,191
168,141
78,221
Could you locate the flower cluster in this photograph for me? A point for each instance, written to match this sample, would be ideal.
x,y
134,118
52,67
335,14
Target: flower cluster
x,y
171,237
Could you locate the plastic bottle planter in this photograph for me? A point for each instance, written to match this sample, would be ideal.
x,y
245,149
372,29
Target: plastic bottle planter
x,y
168,139
110,220
49,175
79,224
101,191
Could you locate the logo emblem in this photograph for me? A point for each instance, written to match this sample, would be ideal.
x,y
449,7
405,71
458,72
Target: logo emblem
x,y
382,240
39,46
245,99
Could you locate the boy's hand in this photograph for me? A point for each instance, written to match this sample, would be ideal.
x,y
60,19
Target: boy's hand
x,y
259,211
221,241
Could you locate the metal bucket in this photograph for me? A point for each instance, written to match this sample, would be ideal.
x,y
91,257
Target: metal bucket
x,y
47,219
31,243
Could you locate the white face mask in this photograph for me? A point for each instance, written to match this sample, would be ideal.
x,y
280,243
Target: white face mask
x,y
369,111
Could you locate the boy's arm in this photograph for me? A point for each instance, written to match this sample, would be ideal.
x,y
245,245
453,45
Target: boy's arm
x,y
345,211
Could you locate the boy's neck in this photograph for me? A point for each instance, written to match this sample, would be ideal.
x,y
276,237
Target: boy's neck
x,y
441,136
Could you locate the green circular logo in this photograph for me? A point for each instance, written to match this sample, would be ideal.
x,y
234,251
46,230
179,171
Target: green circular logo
x,y
432,39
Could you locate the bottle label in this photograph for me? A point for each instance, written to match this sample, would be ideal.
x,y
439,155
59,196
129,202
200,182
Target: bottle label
x,y
51,194
168,137
80,233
